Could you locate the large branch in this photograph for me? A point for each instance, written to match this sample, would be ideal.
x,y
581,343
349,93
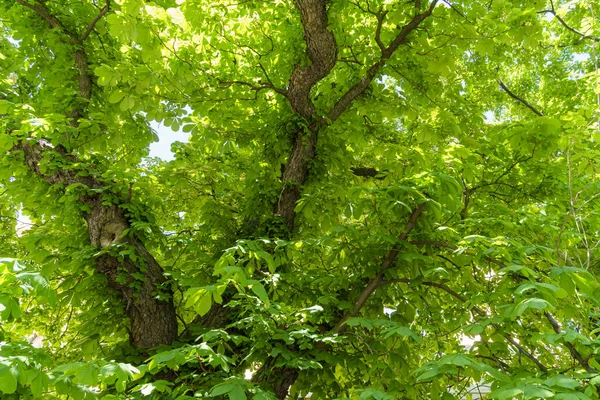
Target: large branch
x,y
386,52
322,53
321,49
378,280
153,320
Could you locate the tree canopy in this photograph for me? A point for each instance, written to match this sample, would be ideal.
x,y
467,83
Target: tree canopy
x,y
378,199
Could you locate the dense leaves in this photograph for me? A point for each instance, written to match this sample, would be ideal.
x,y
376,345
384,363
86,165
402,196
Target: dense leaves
x,y
376,199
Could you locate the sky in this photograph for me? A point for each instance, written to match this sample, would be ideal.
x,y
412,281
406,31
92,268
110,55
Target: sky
x,y
166,137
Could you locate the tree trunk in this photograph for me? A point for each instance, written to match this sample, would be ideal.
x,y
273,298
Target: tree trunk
x,y
146,294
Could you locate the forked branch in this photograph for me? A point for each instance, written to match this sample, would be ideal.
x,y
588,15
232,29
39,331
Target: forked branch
x,y
386,52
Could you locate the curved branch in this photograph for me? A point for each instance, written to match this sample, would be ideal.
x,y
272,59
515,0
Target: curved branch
x,y
321,49
90,27
567,26
355,91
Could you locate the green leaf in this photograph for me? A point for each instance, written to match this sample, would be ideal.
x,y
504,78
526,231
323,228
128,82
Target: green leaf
x,y
8,381
204,304
116,96
259,290
562,381
127,103
505,393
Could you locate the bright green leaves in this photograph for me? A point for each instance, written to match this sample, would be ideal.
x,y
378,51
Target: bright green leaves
x,y
23,370
201,299
122,27
234,391
508,232
524,305
188,354
15,283
259,290
158,386
388,329
8,378
107,76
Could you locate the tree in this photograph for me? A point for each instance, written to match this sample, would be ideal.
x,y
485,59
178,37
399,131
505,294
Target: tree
x,y
378,199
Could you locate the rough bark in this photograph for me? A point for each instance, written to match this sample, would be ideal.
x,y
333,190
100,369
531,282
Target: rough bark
x,y
295,175
153,321
322,53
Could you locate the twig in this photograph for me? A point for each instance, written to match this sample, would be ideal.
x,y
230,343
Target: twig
x,y
90,27
563,23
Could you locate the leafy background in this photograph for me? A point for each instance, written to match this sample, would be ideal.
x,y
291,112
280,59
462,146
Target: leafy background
x,y
468,161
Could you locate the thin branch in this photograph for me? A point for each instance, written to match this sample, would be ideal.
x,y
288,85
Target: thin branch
x,y
385,265
563,23
17,220
90,27
456,10
574,353
386,52
519,99
506,171
380,17
481,313
527,354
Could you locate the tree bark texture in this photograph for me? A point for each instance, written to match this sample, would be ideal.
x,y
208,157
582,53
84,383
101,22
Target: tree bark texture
x,y
153,320
321,49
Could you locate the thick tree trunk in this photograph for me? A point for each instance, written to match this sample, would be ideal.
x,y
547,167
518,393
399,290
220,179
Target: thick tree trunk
x,y
321,49
295,175
146,293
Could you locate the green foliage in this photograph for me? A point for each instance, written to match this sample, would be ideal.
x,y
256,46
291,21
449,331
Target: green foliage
x,y
487,115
